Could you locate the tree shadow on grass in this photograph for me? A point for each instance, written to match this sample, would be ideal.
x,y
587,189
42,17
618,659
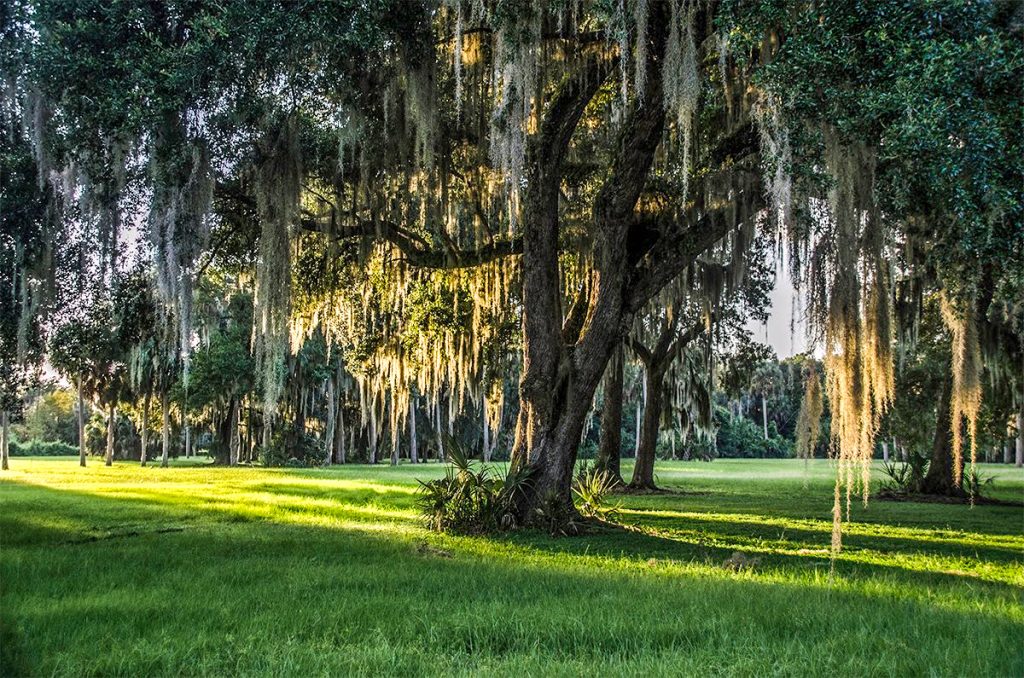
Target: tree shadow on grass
x,y
228,596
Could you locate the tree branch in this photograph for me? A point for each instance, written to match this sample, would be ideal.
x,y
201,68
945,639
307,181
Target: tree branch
x,y
414,248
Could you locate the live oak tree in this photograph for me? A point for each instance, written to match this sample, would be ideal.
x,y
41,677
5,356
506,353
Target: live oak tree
x,y
558,165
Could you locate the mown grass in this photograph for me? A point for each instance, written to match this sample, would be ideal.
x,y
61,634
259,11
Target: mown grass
x,y
214,571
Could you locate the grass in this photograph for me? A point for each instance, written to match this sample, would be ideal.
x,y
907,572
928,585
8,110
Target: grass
x,y
213,571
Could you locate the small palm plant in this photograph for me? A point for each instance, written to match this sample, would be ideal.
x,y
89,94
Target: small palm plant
x,y
469,501
591,489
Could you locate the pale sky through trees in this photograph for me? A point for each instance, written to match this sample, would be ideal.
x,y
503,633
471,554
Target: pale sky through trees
x,y
785,330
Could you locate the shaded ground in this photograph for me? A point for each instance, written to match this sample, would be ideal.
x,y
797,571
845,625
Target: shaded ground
x,y
214,571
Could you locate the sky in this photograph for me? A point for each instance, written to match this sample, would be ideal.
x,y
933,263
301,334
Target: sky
x,y
784,331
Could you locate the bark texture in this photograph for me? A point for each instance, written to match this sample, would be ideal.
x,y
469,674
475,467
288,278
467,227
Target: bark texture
x,y
609,455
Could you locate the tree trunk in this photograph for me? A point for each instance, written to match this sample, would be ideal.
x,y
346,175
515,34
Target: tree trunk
x,y
1020,439
643,471
81,424
393,434
487,432
5,441
145,429
165,407
564,357
639,423
609,455
414,455
372,435
109,457
939,480
439,429
339,434
331,423
885,451
764,415
233,433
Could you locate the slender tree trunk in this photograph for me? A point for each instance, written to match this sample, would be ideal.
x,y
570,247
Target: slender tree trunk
x,y
440,431
939,479
165,408
609,455
189,451
639,424
145,429
331,423
487,432
1020,439
764,415
81,424
5,441
234,439
109,457
414,456
643,471
339,433
372,452
885,451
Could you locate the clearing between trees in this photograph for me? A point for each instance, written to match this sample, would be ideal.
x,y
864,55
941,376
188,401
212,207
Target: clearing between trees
x,y
238,571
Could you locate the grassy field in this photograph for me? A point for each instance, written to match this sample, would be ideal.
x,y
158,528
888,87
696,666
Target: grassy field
x,y
214,571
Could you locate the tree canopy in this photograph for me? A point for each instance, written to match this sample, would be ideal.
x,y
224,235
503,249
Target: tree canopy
x,y
452,193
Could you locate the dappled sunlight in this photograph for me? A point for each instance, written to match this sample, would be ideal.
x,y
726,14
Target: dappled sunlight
x,y
347,545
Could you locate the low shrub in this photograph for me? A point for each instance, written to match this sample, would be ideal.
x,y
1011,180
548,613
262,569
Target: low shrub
x,y
905,477
591,488
469,501
42,448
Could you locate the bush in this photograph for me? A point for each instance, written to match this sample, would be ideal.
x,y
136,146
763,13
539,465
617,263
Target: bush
x,y
591,487
906,477
40,448
465,501
287,448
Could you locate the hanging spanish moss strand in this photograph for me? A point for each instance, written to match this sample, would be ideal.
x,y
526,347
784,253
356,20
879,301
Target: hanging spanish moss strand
x,y
179,221
965,399
849,305
278,185
516,64
640,12
776,156
808,423
681,77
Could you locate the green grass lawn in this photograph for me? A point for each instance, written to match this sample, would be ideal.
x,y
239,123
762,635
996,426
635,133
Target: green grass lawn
x,y
215,571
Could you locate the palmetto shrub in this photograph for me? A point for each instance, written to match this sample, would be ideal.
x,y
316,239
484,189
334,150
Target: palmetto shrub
x,y
469,500
591,488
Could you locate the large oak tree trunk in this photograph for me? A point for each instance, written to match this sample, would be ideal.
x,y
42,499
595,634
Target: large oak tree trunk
x,y
609,455
564,357
940,477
